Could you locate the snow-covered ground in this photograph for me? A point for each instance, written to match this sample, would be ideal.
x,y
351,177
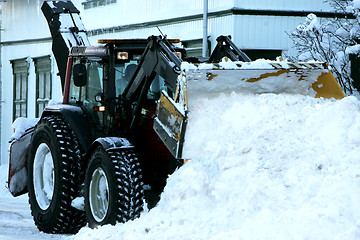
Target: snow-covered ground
x,y
262,167
15,218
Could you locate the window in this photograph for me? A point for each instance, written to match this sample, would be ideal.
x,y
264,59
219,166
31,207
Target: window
x,y
86,94
95,3
43,83
20,74
123,74
194,47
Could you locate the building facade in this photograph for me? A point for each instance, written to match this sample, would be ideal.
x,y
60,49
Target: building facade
x,y
28,69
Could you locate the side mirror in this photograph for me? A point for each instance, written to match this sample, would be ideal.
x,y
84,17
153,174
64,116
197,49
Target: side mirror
x,y
80,75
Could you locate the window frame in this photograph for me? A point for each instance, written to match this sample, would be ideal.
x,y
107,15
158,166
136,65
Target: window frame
x,y
20,68
42,68
96,3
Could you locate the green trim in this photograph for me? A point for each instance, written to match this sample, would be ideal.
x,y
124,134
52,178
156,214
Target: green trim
x,y
27,41
216,14
20,68
42,67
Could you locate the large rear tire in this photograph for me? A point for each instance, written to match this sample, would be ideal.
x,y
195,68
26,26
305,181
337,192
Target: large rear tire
x,y
53,175
113,187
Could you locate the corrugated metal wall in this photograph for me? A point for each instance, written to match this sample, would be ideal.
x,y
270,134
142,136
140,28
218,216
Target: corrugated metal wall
x,y
264,32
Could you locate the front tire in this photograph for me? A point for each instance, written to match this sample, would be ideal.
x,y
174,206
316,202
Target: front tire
x,y
53,172
113,187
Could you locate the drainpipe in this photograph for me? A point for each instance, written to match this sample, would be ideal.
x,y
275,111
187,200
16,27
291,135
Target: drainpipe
x,y
2,161
205,29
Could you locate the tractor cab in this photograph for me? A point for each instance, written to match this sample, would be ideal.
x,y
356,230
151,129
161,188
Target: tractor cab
x,y
106,81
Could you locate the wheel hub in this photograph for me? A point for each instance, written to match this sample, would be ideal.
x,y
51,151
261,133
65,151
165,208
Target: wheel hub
x,y
99,194
43,176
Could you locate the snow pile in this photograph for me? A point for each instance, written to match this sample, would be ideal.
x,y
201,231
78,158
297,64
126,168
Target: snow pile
x,y
263,167
21,125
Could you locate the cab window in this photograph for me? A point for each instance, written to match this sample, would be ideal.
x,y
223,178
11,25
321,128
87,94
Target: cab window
x,y
123,74
94,83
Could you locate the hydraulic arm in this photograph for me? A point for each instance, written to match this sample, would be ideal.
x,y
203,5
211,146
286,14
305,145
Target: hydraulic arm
x,y
67,30
160,58
226,48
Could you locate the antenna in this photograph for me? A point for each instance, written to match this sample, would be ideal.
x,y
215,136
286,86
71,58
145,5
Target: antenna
x,y
164,36
170,45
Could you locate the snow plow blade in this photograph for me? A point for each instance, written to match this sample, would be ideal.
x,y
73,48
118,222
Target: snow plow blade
x,y
262,76
170,124
18,153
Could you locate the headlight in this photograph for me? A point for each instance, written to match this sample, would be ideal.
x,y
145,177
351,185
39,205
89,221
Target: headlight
x,y
99,108
122,55
99,97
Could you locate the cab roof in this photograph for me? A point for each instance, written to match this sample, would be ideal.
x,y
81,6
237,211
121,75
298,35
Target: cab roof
x,y
131,41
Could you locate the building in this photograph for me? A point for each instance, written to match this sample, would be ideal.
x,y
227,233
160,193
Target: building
x,y
29,72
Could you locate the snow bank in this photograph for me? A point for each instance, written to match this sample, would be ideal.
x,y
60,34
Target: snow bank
x,y
263,167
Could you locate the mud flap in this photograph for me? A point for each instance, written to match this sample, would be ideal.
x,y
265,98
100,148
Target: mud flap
x,y
17,178
170,124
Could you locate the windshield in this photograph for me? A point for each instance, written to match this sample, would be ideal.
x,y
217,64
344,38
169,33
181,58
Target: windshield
x,y
123,74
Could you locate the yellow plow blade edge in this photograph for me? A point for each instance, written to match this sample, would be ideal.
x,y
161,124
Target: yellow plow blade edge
x,y
326,86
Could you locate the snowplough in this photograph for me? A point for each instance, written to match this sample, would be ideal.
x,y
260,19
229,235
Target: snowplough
x,y
120,129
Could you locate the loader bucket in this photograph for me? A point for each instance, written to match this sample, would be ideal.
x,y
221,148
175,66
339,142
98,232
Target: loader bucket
x,y
261,76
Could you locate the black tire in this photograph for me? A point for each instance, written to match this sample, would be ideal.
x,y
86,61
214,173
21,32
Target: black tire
x,y
118,174
53,175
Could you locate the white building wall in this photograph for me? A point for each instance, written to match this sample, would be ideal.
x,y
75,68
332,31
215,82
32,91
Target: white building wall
x,y
22,19
26,34
248,31
140,11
